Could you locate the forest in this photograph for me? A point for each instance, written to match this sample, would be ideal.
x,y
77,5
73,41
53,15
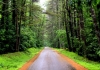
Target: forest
x,y
73,25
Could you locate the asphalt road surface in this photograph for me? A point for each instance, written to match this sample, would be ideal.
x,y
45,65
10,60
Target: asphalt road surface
x,y
50,60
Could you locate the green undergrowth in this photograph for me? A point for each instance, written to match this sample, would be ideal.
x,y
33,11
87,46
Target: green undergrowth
x,y
90,65
13,61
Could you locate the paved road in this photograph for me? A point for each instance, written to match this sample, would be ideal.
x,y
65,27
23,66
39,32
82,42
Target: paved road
x,y
50,60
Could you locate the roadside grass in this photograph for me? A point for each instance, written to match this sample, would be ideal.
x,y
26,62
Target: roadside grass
x,y
13,61
90,65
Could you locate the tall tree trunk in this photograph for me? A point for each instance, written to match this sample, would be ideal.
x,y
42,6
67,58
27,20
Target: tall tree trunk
x,y
58,23
74,20
15,22
67,34
70,24
66,25
82,26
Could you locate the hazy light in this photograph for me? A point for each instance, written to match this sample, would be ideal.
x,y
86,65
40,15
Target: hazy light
x,y
43,3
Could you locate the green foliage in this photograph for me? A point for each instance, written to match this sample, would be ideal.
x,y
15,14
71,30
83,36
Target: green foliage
x,y
80,19
77,44
93,49
7,39
22,29
28,38
2,32
13,61
51,13
98,53
61,34
25,28
90,65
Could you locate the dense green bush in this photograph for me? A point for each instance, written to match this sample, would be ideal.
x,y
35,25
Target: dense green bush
x,y
28,38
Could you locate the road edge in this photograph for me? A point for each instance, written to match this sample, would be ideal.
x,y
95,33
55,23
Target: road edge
x,y
27,64
72,62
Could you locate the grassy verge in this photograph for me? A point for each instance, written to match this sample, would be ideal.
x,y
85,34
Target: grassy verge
x,y
13,61
90,65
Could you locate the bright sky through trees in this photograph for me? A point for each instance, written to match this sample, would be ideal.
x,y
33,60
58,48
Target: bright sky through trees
x,y
43,3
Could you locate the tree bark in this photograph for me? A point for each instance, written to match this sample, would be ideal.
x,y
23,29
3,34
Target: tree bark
x,y
15,16
80,10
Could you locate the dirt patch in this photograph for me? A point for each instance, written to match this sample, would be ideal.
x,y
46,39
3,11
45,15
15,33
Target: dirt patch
x,y
26,65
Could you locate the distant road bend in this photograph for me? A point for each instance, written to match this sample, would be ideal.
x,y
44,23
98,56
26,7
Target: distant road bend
x,y
50,60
